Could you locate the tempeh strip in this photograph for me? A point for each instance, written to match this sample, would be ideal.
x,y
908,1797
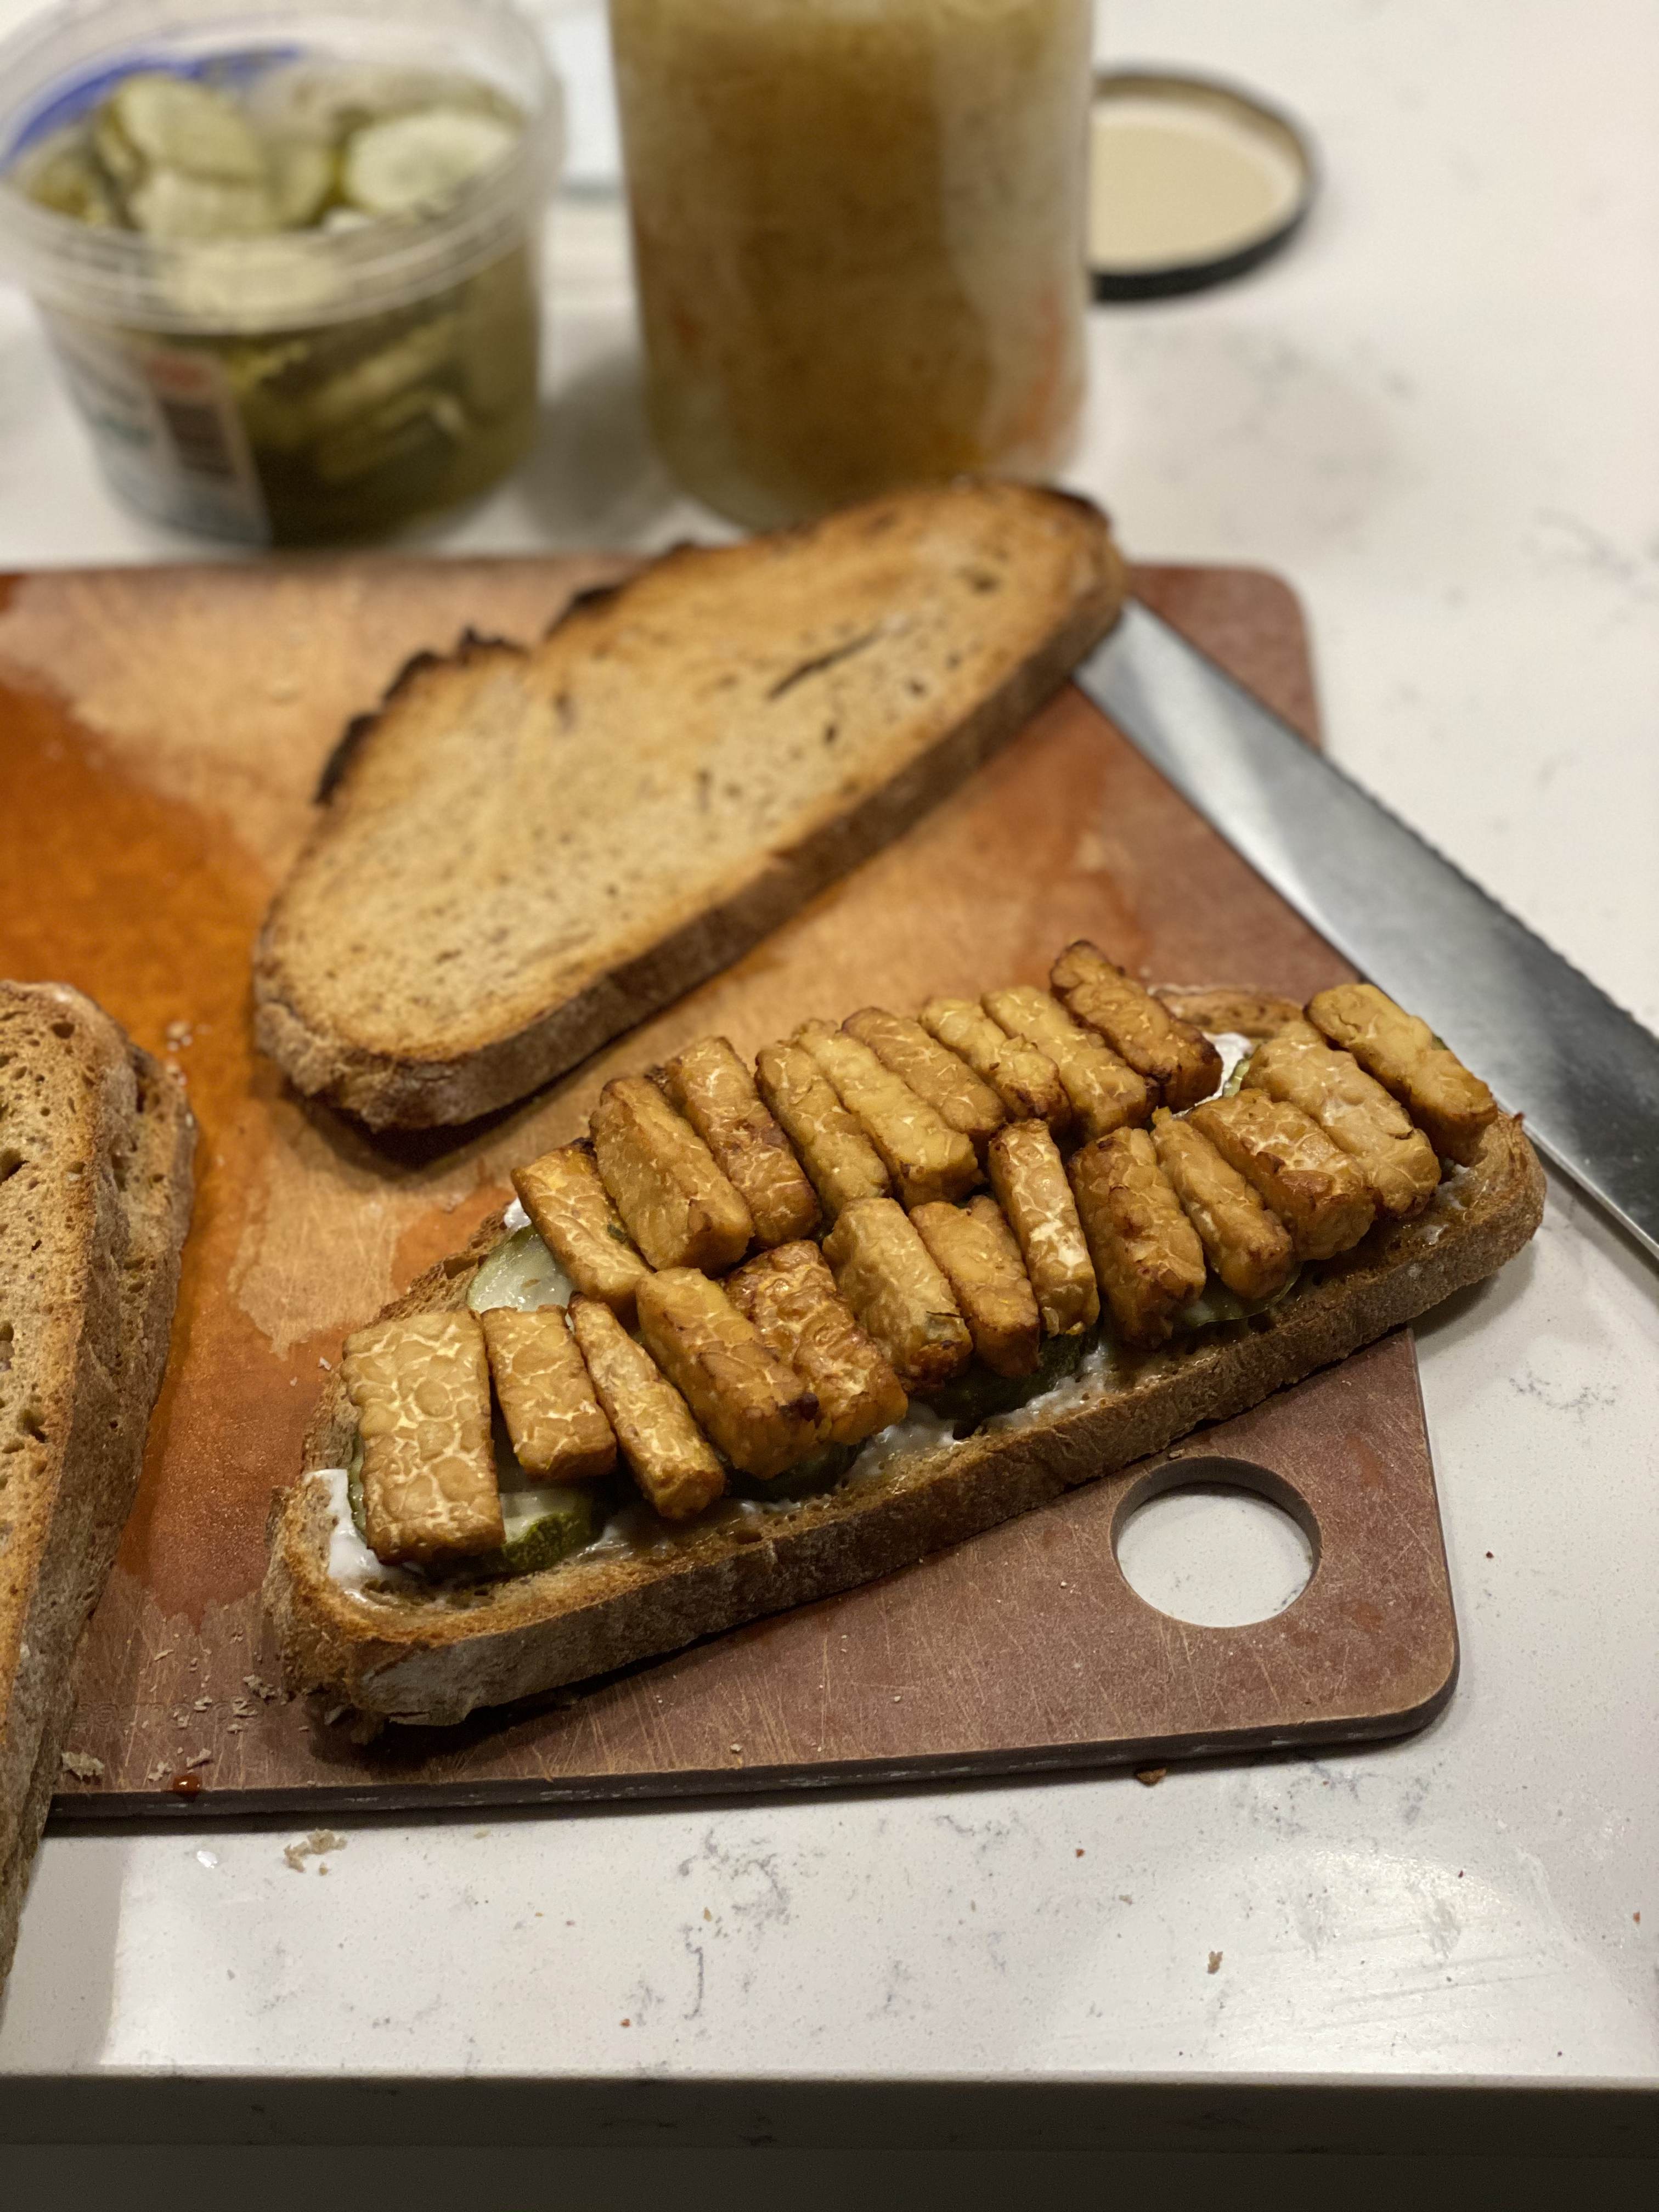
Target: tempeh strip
x,y
790,1295
1356,1112
940,1078
671,1460
926,1158
1310,1184
1180,1058
979,1257
753,1404
680,1210
885,1273
1452,1107
1029,1178
844,1165
557,1426
1148,1256
1105,1091
571,1209
1025,1080
1249,1247
421,1390
716,1093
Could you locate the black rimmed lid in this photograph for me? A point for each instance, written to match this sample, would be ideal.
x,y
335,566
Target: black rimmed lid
x,y
1191,182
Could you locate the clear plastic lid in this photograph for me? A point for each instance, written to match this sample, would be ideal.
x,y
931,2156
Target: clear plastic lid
x,y
66,62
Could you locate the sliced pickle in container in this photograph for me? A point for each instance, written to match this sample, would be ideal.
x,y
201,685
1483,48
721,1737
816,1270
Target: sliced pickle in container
x,y
332,253
154,120
413,164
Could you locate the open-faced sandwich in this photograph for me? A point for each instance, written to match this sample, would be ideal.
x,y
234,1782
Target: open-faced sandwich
x,y
767,1332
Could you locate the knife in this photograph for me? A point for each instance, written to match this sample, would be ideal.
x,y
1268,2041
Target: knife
x,y
1553,1045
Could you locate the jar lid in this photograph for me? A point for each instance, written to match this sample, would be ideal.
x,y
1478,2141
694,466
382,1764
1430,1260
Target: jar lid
x,y
1191,182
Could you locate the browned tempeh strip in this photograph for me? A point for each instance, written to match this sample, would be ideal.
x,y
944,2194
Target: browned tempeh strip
x,y
573,1215
1029,1178
1180,1058
1355,1111
790,1295
1310,1184
844,1165
421,1390
716,1093
1025,1079
1104,1091
557,1426
885,1273
753,1404
979,1257
926,1158
680,1210
1147,1257
671,1460
938,1077
1453,1107
1249,1247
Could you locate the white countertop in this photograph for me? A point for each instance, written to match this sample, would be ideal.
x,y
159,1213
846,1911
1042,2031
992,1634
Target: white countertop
x,y
1435,415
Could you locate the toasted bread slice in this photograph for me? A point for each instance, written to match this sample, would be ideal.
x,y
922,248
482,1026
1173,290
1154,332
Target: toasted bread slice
x,y
95,1146
408,1656
524,853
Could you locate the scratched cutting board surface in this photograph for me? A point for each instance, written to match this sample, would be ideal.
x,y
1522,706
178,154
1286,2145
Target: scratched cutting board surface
x,y
160,733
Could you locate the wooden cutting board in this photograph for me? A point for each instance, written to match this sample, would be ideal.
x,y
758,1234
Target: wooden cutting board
x,y
160,733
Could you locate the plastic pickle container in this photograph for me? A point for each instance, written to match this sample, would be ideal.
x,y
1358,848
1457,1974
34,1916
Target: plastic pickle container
x,y
288,259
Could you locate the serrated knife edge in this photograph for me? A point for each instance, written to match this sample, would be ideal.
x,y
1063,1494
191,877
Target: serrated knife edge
x,y
1552,1043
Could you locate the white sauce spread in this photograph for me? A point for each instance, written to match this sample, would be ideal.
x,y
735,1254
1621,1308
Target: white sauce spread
x,y
515,1218
350,1562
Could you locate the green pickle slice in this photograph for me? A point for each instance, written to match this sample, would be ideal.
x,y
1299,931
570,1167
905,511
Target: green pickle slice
x,y
520,1271
416,164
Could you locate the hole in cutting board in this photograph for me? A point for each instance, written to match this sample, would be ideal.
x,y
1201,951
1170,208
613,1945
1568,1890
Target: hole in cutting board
x,y
1218,1542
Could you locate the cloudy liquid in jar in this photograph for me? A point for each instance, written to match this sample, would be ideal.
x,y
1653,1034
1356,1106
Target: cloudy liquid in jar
x,y
858,235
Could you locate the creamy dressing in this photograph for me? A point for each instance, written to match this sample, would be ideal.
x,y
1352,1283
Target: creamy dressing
x,y
515,1217
351,1564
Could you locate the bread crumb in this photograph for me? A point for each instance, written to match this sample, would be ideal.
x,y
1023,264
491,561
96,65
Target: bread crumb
x,y
198,1759
85,1767
204,1704
265,1690
1214,1967
1149,1777
311,1847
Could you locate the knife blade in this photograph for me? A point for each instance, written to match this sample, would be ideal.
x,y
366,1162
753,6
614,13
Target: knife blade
x,y
1553,1045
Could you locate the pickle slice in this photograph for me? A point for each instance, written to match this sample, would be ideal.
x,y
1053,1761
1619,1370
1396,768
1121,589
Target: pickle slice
x,y
416,427
170,204
65,179
522,1273
975,1397
543,1526
1215,1305
174,123
303,177
412,164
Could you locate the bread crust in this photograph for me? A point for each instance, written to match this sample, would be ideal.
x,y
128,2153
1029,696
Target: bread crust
x,y
418,1087
116,1194
426,1661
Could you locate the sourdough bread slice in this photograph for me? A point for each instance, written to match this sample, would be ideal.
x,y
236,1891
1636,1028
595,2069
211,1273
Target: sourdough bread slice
x,y
95,1148
431,1658
524,852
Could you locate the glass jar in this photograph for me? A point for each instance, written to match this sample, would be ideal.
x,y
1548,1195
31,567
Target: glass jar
x,y
859,239
303,387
